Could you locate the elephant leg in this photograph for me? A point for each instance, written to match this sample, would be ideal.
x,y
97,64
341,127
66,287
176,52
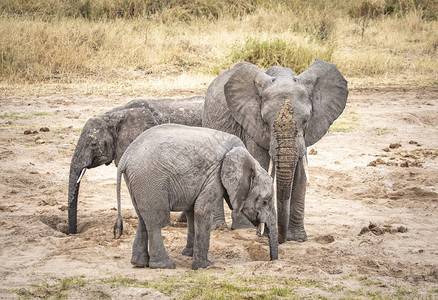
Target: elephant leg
x,y
203,220
262,156
140,255
219,222
159,259
296,231
188,251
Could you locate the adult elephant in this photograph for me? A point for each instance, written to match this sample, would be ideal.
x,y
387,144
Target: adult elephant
x,y
105,138
278,114
185,111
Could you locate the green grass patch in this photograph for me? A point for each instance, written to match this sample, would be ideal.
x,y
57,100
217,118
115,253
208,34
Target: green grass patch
x,y
280,52
116,281
347,122
369,282
55,290
280,291
16,116
226,285
382,131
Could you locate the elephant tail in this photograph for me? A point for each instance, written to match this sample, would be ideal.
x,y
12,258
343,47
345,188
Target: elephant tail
x,y
118,226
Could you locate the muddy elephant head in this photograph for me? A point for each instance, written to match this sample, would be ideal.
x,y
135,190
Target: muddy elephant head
x,y
284,114
103,139
250,191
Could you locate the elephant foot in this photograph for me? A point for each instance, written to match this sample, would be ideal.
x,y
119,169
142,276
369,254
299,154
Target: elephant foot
x,y
297,235
201,264
162,264
139,265
221,225
140,261
188,252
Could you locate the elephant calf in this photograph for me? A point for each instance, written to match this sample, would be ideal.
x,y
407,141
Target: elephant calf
x,y
181,168
105,138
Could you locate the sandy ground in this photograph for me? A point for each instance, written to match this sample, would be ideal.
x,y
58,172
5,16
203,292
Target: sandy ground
x,y
379,166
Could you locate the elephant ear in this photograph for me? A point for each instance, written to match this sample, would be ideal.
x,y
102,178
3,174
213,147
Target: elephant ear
x,y
237,174
130,123
242,94
328,91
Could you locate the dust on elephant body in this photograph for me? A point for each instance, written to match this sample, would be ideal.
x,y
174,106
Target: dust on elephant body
x,y
180,168
278,115
104,138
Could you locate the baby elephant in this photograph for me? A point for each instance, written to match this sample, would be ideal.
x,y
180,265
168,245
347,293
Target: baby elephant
x,y
180,168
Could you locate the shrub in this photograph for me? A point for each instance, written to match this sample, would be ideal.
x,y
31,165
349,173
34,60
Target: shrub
x,y
267,53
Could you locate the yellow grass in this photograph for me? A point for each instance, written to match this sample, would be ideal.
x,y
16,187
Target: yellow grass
x,y
158,55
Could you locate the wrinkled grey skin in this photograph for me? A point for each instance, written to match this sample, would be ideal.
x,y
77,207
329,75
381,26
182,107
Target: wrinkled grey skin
x,y
277,115
180,168
185,111
105,138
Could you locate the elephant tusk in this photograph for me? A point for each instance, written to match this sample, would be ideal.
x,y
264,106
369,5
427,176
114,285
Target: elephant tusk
x,y
270,170
261,228
275,192
80,176
271,167
306,168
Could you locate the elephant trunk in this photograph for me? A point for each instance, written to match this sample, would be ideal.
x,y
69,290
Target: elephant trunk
x,y
285,177
77,170
285,155
273,238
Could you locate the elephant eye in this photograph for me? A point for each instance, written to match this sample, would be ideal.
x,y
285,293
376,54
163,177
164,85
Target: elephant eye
x,y
265,202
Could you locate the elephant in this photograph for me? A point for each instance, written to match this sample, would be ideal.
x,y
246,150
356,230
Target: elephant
x,y
186,111
278,114
174,167
105,138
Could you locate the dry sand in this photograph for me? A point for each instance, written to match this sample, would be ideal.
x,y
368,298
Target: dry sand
x,y
355,179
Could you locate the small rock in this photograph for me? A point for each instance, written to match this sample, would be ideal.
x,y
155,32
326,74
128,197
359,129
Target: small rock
x,y
364,230
376,162
402,229
372,225
27,131
372,164
63,208
404,164
394,145
389,230
386,149
325,239
313,151
377,230
44,129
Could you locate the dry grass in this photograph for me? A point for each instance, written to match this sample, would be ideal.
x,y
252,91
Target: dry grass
x,y
181,48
